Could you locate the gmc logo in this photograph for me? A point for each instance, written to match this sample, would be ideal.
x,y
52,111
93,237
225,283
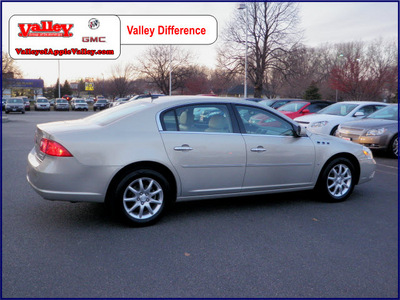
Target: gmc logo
x,y
97,39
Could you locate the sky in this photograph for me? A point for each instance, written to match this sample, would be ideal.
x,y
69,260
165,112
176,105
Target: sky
x,y
322,22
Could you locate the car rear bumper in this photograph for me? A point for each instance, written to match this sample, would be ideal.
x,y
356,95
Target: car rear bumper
x,y
65,179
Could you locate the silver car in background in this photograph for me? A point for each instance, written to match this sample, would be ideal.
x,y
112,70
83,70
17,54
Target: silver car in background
x,y
378,131
15,105
144,155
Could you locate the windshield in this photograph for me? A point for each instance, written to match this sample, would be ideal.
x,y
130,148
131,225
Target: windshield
x,y
14,100
101,101
117,112
338,109
292,106
61,101
42,100
80,101
387,113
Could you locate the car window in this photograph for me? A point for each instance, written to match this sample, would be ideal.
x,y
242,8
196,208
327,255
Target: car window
x,y
367,109
292,106
198,118
259,121
42,100
278,104
338,109
387,113
314,107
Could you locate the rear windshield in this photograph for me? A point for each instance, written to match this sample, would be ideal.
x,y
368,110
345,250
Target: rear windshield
x,y
117,112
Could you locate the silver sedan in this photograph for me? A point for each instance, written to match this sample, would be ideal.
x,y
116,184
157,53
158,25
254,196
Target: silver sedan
x,y
144,155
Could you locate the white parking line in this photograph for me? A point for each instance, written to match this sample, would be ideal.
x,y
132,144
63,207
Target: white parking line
x,y
387,166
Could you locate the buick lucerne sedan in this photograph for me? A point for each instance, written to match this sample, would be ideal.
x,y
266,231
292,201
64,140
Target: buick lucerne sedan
x,y
146,154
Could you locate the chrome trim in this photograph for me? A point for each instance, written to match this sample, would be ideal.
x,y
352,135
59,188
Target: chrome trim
x,y
279,165
198,132
214,166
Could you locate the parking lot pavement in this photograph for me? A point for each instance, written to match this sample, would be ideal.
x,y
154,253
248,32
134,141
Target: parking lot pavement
x,y
286,245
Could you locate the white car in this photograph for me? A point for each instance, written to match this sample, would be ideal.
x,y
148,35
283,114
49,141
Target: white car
x,y
42,104
327,120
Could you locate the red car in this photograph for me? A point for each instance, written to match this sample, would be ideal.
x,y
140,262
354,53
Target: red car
x,y
301,108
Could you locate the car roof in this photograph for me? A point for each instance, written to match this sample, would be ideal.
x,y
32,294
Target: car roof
x,y
362,102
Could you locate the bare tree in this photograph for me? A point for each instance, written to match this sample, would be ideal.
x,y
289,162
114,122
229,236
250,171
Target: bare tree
x,y
9,69
157,62
121,79
272,34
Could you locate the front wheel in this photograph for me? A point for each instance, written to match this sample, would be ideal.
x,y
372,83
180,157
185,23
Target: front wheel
x,y
337,181
394,147
141,197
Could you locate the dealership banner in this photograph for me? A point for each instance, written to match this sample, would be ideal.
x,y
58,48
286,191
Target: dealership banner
x,y
66,37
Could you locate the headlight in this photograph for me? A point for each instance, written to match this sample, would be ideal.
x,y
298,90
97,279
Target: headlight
x,y
319,124
367,152
378,131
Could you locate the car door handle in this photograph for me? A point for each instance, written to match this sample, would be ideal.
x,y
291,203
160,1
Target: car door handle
x,y
184,147
258,149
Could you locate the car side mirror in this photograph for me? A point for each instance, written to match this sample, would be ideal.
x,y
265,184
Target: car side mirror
x,y
305,111
297,130
359,114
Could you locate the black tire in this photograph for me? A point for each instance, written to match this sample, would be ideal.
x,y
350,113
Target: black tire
x,y
153,195
7,112
22,112
393,148
333,131
35,109
336,181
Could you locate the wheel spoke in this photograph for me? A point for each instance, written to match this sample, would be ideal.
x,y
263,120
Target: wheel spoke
x,y
155,201
155,193
141,211
149,209
133,207
130,199
141,185
133,190
149,186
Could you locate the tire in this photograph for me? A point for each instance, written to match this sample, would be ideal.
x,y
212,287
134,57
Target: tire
x,y
94,108
336,182
22,112
35,109
141,197
393,148
7,112
333,131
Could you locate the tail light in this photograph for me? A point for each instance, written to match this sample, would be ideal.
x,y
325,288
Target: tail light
x,y
53,148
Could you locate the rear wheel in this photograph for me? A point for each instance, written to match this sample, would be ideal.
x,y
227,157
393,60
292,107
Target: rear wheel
x,y
141,197
337,180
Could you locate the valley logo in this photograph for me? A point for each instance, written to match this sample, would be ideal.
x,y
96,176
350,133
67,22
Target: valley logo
x,y
45,29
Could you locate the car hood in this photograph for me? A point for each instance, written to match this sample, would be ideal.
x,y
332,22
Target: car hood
x,y
370,123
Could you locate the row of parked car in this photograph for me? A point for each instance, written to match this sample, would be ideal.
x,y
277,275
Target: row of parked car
x,y
372,124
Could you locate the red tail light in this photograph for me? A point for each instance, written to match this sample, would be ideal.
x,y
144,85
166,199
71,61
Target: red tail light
x,y
53,148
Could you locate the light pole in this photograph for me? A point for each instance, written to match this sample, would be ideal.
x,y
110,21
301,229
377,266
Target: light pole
x,y
244,6
59,88
170,70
